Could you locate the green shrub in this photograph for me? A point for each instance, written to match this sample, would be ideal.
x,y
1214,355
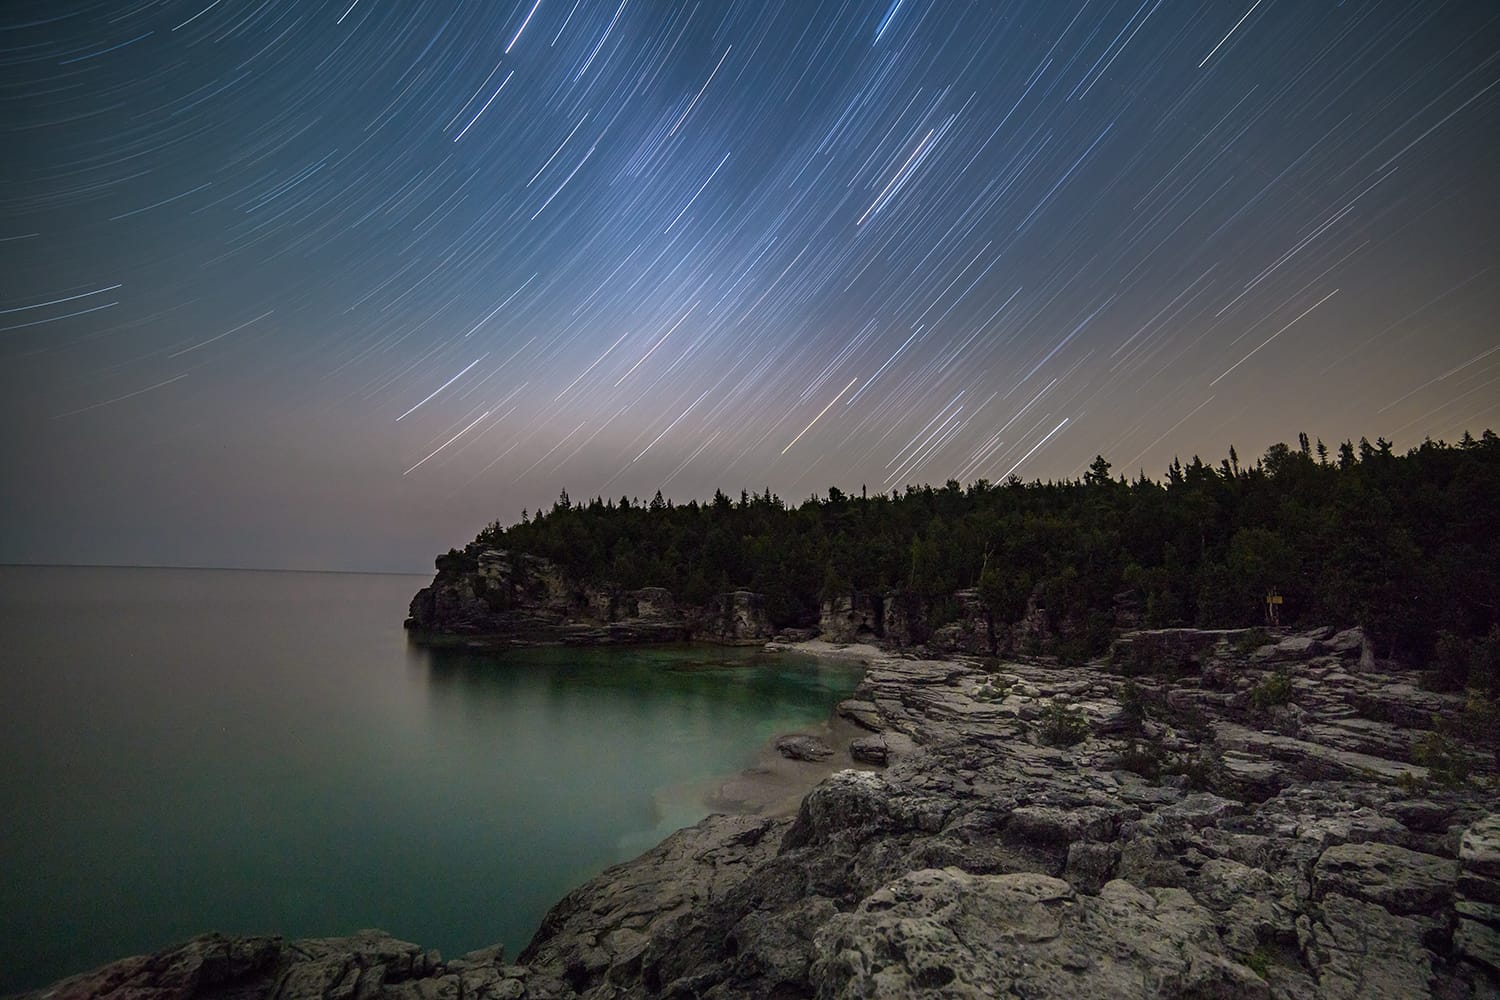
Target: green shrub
x,y
1275,689
1133,703
1250,640
1447,764
1260,961
1449,667
1060,726
1138,759
1458,663
1478,723
1197,770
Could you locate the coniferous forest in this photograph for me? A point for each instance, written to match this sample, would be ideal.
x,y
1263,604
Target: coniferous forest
x,y
1407,545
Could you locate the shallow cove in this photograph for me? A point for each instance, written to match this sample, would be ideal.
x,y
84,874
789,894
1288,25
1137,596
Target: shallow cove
x,y
192,750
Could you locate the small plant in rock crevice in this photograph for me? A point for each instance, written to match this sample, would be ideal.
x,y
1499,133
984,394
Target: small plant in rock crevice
x,y
1142,759
1275,689
1260,961
1061,726
1448,764
1133,704
1251,640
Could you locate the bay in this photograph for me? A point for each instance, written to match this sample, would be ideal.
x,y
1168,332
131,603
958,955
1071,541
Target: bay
x,y
261,752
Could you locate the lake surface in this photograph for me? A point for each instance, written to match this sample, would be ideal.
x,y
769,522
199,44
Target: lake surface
x,y
255,752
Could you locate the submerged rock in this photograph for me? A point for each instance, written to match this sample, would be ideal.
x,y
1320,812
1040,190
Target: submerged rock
x,y
798,747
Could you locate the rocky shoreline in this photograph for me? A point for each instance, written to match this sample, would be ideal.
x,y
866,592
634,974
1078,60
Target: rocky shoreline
x,y
1202,814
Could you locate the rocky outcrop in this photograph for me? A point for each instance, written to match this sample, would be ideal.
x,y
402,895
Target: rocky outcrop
x,y
1139,861
365,965
973,631
1036,831
738,617
853,618
497,597
1477,938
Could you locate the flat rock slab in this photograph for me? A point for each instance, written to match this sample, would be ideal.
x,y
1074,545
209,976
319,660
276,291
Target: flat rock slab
x,y
862,713
1401,881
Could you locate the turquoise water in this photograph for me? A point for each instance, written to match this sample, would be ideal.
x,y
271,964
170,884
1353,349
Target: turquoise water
x,y
193,750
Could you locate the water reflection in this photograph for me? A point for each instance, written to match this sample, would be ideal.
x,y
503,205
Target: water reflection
x,y
263,752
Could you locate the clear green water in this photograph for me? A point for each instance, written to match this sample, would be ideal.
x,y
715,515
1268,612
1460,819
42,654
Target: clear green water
x,y
193,750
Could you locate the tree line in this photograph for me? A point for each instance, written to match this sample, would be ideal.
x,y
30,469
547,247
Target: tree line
x,y
1407,545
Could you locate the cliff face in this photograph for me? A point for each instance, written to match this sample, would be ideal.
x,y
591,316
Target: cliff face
x,y
1147,826
514,598
496,596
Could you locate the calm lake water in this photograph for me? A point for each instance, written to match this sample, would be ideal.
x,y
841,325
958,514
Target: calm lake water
x,y
194,750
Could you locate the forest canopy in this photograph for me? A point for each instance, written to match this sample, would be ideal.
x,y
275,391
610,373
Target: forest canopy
x,y
1406,545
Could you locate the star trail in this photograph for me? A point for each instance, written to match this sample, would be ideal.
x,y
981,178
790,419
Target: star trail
x,y
293,283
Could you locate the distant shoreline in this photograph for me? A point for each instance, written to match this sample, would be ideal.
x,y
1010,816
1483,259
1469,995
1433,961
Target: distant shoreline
x,y
219,569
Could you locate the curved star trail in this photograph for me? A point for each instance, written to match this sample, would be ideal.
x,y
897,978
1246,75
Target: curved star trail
x,y
333,284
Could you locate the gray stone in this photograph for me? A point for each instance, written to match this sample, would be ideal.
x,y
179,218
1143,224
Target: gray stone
x,y
1361,952
1050,826
1479,849
799,747
861,713
1397,879
1090,865
949,933
1478,942
869,750
1349,641
1422,815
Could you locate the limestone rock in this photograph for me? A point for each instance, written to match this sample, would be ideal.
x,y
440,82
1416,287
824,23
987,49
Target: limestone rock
x,y
1477,937
950,933
1401,881
869,750
855,618
1479,850
861,713
215,965
798,747
1361,952
496,597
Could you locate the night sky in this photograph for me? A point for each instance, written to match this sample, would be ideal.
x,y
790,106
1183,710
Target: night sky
x,y
288,283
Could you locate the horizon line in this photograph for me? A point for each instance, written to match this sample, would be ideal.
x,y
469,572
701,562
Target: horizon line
x,y
227,569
